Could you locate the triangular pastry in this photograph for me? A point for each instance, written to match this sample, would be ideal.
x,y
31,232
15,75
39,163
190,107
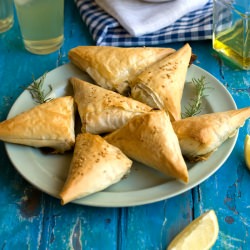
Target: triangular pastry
x,y
200,135
150,139
102,110
95,166
161,85
50,124
112,67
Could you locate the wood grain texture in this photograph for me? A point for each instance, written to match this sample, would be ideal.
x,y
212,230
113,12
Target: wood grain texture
x,y
30,219
226,191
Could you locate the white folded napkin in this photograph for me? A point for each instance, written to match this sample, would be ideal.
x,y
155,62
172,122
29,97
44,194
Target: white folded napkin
x,y
139,17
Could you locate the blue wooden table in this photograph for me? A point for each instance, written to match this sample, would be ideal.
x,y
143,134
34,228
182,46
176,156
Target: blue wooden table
x,y
31,219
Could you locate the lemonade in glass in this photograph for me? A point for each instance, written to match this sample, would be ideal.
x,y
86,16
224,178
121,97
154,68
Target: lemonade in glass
x,y
41,24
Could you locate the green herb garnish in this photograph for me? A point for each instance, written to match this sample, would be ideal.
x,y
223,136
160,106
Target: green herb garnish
x,y
195,105
37,92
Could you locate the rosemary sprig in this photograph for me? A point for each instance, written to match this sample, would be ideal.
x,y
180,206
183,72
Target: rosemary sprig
x,y
195,105
37,92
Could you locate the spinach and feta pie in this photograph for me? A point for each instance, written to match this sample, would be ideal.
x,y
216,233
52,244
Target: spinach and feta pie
x,y
50,124
150,139
102,110
161,85
95,165
114,67
199,136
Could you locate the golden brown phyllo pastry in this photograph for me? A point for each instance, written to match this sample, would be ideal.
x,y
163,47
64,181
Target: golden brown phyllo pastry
x,y
50,124
102,110
95,166
112,67
200,135
161,84
146,126
150,139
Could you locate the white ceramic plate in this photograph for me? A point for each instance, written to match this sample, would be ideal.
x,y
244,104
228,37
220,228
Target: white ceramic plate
x,y
143,185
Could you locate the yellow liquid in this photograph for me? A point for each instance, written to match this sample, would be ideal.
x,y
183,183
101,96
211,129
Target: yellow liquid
x,y
234,44
41,23
6,15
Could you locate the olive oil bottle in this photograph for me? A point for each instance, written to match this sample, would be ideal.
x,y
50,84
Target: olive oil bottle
x,y
234,44
231,28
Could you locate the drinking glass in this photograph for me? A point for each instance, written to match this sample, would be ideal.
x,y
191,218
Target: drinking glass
x,y
41,24
6,15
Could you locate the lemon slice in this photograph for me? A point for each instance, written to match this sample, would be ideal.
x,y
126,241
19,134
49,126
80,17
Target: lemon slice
x,y
247,150
200,234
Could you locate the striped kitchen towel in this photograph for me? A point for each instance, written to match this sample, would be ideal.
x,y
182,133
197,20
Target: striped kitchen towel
x,y
106,30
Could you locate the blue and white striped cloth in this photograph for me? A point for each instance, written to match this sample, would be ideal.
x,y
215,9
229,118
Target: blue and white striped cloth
x,y
106,30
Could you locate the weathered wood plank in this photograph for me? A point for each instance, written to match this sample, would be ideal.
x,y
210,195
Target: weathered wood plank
x,y
78,227
153,226
227,190
20,209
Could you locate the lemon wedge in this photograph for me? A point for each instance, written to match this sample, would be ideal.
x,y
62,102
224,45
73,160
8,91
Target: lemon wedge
x,y
200,234
247,150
